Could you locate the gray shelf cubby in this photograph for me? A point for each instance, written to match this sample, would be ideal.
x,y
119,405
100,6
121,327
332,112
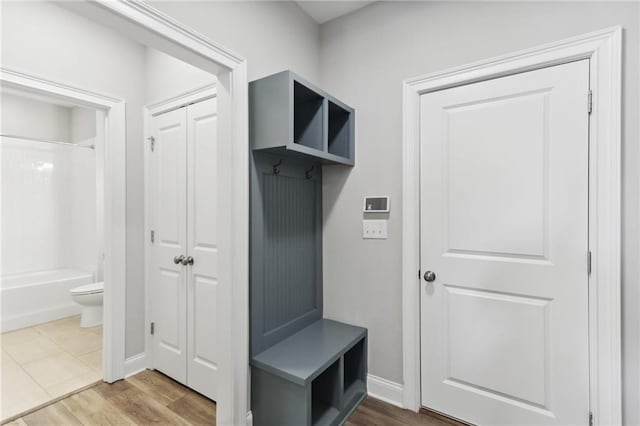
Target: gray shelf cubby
x,y
290,116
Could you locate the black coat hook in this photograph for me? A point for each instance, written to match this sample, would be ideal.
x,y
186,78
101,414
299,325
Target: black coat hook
x,y
307,173
276,170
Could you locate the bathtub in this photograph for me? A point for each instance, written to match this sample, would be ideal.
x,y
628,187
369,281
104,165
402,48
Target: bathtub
x,y
36,297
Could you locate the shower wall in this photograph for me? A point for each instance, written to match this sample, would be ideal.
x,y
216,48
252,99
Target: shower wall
x,y
48,204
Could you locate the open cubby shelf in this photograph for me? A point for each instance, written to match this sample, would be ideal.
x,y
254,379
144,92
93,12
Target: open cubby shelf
x,y
339,136
325,396
290,116
308,114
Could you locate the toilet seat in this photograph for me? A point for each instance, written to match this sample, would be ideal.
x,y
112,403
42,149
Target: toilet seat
x,y
92,288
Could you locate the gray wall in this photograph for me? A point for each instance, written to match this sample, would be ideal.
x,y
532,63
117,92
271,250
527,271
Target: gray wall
x,y
272,36
364,58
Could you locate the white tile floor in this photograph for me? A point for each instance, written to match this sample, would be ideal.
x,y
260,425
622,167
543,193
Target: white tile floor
x,y
46,361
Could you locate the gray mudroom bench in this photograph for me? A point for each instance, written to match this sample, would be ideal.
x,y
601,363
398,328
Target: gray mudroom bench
x,y
305,369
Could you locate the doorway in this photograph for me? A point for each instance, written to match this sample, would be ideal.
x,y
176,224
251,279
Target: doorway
x,y
182,277
52,281
478,249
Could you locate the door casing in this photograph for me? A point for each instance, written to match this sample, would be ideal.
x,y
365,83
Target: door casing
x,y
604,50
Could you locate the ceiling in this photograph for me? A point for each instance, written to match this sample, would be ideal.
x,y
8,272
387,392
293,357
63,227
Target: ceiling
x,y
323,11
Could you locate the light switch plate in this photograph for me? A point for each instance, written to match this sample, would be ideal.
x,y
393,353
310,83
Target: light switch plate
x,y
374,229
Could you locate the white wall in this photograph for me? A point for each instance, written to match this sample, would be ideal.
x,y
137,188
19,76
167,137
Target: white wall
x,y
364,58
28,117
166,77
83,124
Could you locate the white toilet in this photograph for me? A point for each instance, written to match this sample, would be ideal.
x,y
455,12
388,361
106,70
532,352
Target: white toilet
x,y
89,296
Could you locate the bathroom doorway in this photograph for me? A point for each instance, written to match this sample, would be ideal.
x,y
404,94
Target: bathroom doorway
x,y
51,262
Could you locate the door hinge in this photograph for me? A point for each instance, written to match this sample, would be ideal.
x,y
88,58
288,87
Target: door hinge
x,y
418,273
152,143
590,101
153,236
152,328
590,418
588,263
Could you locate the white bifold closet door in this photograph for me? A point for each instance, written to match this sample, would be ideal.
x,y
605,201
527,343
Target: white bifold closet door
x,y
184,254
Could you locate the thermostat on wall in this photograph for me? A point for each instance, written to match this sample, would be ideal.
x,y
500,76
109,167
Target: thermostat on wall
x,y
376,204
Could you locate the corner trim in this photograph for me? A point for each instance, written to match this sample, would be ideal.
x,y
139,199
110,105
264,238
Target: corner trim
x,y
385,390
604,50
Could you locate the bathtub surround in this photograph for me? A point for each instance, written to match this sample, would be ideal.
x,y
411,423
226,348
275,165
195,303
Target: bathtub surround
x,y
47,361
48,190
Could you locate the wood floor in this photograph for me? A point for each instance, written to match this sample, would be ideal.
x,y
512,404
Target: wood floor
x,y
152,398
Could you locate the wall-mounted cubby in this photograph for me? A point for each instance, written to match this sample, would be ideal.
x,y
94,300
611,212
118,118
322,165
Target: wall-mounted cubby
x,y
290,116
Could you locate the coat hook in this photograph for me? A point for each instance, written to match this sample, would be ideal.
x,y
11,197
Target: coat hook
x,y
307,173
276,170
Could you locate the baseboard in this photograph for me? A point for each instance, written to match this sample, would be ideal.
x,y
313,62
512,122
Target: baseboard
x,y
9,323
385,390
249,418
135,364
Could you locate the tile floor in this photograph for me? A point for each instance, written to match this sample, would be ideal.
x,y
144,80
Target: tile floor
x,y
46,361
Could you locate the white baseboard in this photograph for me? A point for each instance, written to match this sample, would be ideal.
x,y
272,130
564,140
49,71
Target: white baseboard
x,y
385,390
249,418
135,364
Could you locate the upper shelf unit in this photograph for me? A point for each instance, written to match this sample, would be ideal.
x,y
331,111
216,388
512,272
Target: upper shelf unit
x,y
291,116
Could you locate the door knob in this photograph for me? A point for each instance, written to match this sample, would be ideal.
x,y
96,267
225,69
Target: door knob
x,y
187,260
178,259
429,276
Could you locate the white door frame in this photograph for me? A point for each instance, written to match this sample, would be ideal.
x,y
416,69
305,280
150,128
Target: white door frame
x,y
192,96
604,50
113,205
147,25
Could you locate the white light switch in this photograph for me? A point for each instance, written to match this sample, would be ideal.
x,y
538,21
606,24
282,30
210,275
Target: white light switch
x,y
376,229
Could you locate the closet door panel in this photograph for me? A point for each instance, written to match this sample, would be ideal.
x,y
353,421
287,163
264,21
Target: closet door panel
x,y
168,286
202,184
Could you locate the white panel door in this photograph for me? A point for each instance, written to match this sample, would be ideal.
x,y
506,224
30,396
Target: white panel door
x,y
504,210
202,367
169,214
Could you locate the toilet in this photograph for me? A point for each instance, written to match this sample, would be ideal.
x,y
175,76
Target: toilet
x,y
89,296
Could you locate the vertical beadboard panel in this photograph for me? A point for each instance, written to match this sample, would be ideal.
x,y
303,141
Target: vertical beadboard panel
x,y
289,249
286,248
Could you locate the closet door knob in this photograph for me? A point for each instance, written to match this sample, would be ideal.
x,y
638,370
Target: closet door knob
x,y
179,259
429,276
187,260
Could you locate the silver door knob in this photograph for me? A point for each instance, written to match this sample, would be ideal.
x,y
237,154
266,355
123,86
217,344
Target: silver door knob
x,y
429,276
187,260
178,259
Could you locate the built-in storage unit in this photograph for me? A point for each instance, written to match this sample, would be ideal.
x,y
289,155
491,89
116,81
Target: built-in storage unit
x,y
305,370
292,117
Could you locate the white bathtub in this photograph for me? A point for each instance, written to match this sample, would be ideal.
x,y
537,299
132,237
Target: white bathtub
x,y
37,297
